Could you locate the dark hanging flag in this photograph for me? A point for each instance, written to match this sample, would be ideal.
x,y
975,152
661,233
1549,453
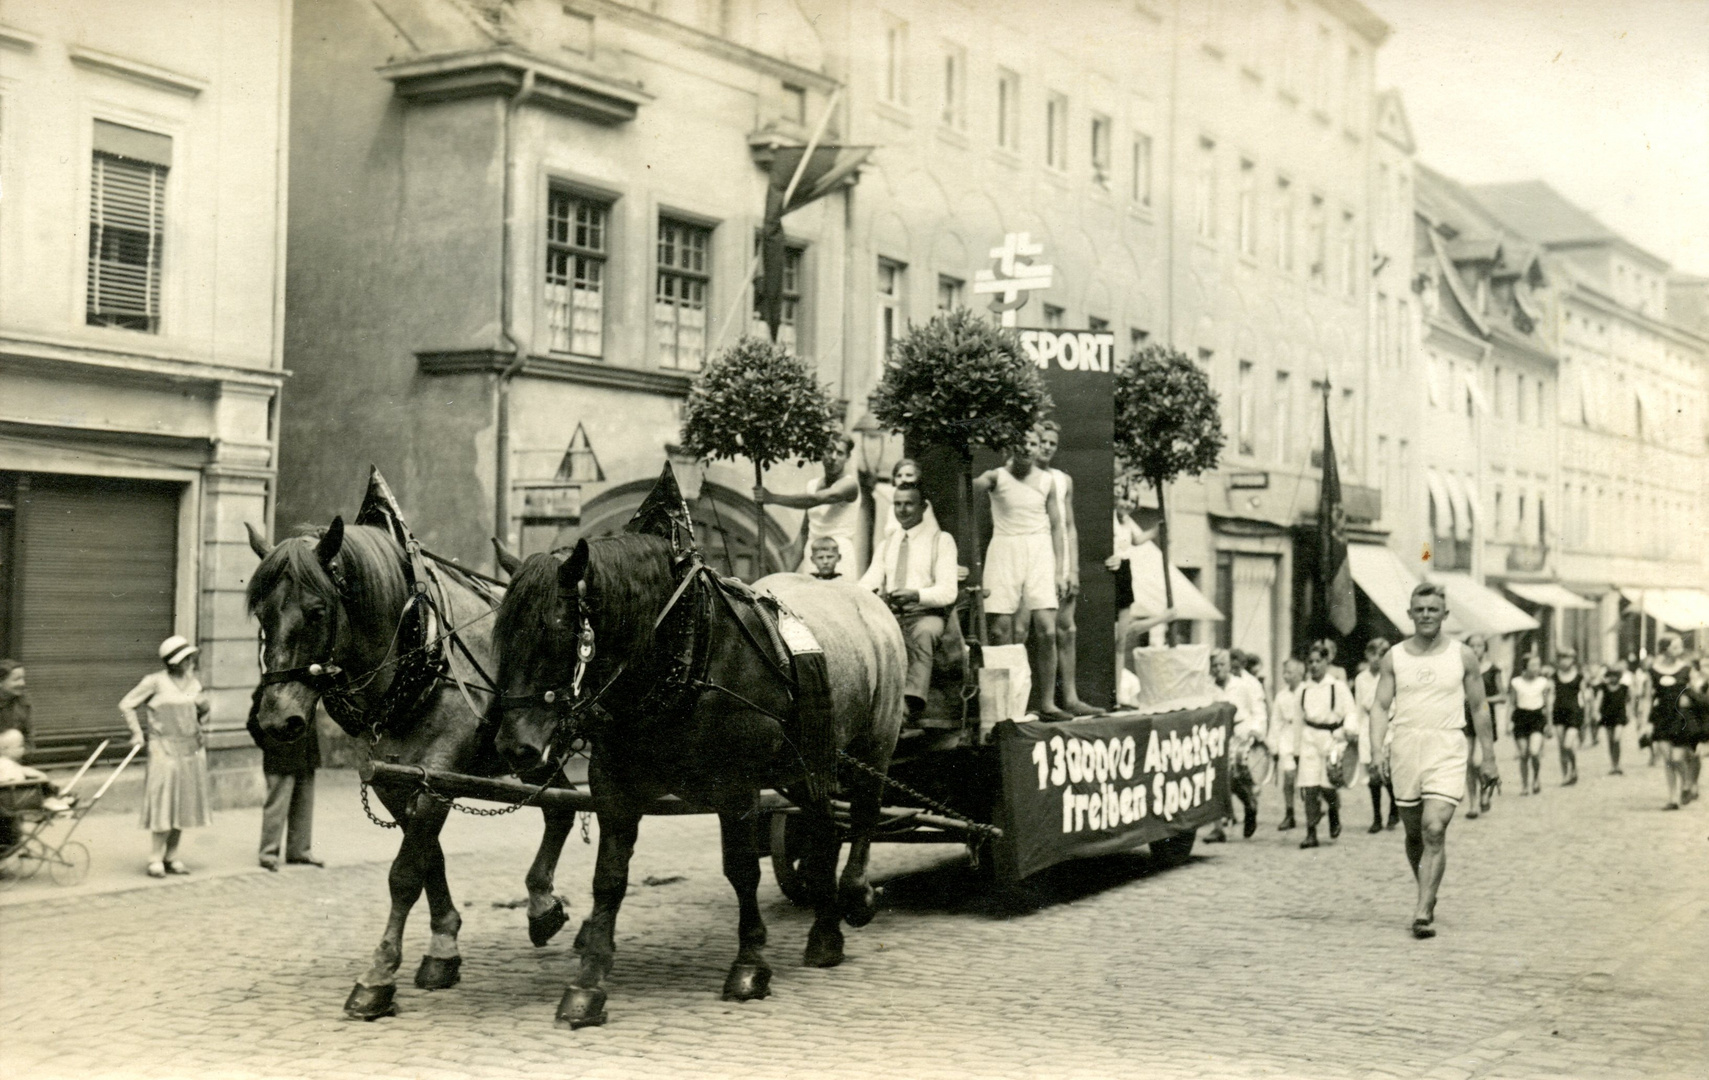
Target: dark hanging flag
x,y
1335,574
827,169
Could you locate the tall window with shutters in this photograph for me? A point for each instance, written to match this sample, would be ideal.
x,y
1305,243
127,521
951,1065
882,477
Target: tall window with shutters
x,y
127,211
679,295
577,233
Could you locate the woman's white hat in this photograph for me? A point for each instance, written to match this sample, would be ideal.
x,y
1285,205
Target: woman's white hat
x,y
175,649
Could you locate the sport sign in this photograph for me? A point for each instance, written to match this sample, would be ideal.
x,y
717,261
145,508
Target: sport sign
x,y
1094,787
1070,350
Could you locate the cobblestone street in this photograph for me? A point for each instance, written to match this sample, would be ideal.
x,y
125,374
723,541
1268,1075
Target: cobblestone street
x,y
1574,942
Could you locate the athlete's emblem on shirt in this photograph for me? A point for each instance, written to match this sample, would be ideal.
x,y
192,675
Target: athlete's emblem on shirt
x,y
1426,675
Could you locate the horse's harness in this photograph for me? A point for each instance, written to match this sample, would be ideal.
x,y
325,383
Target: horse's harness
x,y
417,670
581,712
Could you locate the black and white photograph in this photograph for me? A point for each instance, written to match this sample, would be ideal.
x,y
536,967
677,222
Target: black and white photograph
x,y
878,539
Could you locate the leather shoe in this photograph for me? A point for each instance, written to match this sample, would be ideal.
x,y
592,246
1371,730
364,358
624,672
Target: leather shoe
x,y
1310,841
1376,826
270,864
306,860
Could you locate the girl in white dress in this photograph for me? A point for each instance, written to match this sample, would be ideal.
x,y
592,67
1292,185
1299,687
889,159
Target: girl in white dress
x,y
173,719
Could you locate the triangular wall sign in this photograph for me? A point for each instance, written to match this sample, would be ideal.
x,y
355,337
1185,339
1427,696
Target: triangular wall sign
x,y
580,464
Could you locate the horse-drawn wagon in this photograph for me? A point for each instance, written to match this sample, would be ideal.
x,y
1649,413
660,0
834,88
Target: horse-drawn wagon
x,y
778,707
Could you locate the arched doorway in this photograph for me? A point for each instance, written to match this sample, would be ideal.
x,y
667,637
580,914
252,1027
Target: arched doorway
x,y
723,526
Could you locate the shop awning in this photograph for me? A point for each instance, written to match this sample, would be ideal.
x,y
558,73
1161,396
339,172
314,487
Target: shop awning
x,y
1440,503
1474,609
1462,507
1190,603
1681,609
1384,579
1548,594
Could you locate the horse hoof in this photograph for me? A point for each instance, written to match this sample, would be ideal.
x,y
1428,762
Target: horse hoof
x,y
439,973
823,950
582,1008
541,928
371,1002
747,982
859,905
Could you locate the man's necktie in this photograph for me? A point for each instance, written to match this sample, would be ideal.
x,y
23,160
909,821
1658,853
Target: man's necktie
x,y
901,581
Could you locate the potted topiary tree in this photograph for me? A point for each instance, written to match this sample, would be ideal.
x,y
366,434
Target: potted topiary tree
x,y
958,382
1167,426
758,400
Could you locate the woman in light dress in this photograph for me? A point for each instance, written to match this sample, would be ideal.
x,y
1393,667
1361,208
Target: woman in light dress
x,y
168,710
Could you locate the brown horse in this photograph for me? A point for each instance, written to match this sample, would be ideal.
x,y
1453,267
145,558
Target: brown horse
x,y
340,623
651,662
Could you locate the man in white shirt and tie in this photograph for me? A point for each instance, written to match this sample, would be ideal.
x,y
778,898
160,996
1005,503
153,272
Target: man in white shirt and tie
x,y
914,570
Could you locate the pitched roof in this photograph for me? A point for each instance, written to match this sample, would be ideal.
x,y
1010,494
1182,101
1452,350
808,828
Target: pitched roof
x,y
1537,210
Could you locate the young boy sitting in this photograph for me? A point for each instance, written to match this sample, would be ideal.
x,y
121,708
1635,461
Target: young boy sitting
x,y
825,556
13,771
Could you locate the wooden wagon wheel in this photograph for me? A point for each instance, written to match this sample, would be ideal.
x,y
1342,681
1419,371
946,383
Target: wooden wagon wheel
x,y
788,847
1173,850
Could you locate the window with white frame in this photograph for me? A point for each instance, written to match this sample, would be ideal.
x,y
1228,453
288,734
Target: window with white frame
x,y
1008,109
789,311
1055,318
1097,325
679,297
1101,150
1246,224
1353,90
1317,241
1284,222
1322,75
127,226
1349,241
893,77
951,291
1056,132
577,246
1246,410
1382,343
1282,407
892,289
1204,190
952,112
1142,169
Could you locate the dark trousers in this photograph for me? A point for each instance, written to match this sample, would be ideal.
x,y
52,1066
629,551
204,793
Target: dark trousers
x,y
290,805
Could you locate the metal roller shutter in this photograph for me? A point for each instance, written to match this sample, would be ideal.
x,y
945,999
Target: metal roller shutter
x,y
97,576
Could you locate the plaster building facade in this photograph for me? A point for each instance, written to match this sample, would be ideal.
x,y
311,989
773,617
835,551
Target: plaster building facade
x,y
141,307
521,229
1627,499
1195,179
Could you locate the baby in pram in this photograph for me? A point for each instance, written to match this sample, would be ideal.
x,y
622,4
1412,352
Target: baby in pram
x,y
20,777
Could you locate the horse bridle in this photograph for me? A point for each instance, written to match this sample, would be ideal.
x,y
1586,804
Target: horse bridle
x,y
571,708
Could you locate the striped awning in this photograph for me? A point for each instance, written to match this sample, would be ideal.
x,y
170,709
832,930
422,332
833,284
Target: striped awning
x,y
1548,594
1474,609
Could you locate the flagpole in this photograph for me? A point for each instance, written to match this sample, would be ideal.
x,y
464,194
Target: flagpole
x,y
788,193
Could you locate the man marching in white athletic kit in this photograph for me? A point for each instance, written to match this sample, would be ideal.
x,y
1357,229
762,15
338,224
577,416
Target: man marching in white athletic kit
x,y
1423,687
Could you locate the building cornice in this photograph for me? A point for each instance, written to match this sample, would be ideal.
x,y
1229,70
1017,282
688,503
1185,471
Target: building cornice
x,y
1589,294
1362,19
555,368
135,70
700,40
504,72
22,40
92,361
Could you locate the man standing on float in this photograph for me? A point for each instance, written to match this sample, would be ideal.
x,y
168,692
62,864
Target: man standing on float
x,y
1025,565
1424,686
1067,635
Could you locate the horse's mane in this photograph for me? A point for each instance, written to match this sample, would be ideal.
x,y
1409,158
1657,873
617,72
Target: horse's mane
x,y
369,562
628,581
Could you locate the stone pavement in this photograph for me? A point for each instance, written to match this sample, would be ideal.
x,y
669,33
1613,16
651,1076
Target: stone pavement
x,y
1574,943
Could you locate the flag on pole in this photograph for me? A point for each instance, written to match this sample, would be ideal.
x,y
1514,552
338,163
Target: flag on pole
x,y
824,169
1335,574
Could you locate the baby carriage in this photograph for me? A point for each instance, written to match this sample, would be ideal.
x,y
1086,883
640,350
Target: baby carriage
x,y
28,808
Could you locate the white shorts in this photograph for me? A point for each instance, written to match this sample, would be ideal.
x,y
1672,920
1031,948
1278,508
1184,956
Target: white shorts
x,y
1316,747
1427,763
1020,571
